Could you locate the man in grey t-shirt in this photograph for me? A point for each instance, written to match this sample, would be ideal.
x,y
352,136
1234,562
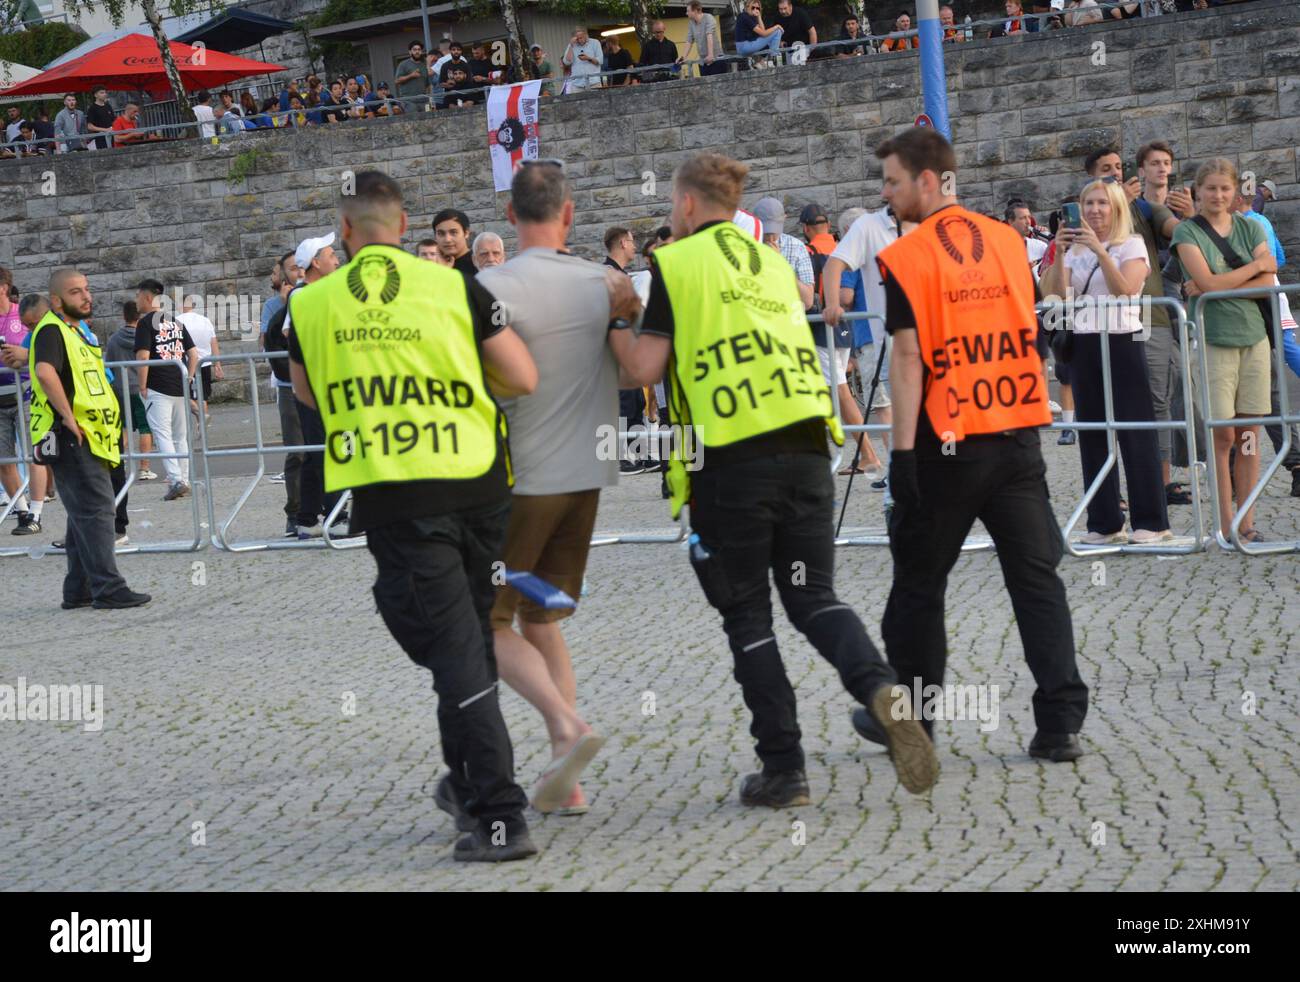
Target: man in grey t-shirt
x,y
703,36
563,450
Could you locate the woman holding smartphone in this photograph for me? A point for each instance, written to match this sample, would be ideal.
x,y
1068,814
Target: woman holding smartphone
x,y
1237,350
1100,258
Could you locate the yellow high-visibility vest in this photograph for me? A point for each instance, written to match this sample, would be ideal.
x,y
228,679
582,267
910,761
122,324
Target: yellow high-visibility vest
x,y
94,406
388,343
744,362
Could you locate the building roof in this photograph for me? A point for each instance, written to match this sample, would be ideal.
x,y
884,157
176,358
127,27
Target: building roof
x,y
234,29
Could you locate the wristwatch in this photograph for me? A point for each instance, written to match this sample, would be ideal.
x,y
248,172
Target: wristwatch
x,y
619,324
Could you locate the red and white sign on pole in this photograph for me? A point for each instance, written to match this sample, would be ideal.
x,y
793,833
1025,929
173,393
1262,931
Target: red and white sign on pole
x,y
512,128
924,120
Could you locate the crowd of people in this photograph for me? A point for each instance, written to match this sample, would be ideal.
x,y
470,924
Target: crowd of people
x,y
1140,236
153,399
413,430
551,349
447,77
1137,232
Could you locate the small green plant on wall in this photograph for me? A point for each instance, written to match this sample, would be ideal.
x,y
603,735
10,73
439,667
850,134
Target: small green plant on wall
x,y
245,163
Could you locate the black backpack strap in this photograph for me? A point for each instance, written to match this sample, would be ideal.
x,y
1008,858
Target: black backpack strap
x,y
1231,257
1229,253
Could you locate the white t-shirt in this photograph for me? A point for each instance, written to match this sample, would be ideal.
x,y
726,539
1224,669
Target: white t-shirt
x,y
201,331
748,223
1081,264
868,235
205,116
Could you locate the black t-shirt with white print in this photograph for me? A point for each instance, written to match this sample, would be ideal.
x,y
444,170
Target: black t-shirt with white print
x,y
165,340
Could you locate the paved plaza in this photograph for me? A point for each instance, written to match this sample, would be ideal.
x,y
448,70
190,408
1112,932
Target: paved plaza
x,y
229,702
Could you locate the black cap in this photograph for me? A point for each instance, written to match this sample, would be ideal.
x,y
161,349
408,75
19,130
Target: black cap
x,y
812,215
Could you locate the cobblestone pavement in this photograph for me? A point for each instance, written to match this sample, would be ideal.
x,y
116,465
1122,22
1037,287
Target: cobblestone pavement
x,y
225,706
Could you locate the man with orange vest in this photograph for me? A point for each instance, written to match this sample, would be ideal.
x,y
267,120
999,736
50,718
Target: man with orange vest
x,y
967,379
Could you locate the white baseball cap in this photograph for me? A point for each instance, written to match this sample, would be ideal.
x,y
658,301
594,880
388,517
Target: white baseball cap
x,y
308,248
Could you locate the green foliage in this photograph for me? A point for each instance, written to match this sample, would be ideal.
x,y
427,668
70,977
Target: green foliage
x,y
41,44
245,163
342,11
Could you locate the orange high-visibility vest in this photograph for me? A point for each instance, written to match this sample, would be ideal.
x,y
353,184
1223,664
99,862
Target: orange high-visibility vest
x,y
972,296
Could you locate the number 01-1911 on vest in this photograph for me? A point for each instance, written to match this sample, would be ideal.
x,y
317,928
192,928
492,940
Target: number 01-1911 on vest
x,y
388,343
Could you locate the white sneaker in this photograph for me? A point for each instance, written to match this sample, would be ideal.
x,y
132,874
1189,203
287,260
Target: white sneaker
x,y
1102,539
277,478
1144,537
1054,406
146,475
122,540
314,532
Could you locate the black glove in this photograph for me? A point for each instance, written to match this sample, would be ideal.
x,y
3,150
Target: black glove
x,y
903,485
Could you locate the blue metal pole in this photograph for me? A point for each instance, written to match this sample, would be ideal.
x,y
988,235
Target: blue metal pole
x,y
934,85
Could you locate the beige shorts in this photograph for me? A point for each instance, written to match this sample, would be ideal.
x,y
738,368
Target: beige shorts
x,y
1240,380
547,535
867,356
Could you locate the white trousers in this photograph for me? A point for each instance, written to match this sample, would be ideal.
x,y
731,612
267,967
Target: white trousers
x,y
167,421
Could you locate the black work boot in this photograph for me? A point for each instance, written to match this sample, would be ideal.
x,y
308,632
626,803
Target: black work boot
x,y
447,799
775,789
1057,747
495,842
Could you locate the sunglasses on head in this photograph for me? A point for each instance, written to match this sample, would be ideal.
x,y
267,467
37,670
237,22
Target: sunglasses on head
x,y
543,162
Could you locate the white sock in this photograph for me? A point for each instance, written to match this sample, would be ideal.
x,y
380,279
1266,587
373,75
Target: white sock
x,y
36,508
1067,415
20,503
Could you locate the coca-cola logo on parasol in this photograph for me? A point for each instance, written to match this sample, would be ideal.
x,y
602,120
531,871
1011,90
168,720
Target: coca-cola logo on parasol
x,y
135,60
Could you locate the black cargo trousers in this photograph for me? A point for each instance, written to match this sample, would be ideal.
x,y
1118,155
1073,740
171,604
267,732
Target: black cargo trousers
x,y
775,515
434,591
1000,480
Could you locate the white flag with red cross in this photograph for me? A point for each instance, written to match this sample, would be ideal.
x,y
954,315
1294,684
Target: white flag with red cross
x,y
512,128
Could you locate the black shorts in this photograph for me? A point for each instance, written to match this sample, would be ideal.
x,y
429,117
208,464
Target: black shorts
x,y
205,374
1062,372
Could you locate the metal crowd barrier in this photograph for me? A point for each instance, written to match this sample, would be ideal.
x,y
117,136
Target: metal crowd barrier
x,y
23,461
131,456
1284,418
1111,427
220,530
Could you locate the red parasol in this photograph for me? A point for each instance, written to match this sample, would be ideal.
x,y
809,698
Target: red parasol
x,y
134,62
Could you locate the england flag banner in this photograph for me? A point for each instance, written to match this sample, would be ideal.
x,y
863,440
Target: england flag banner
x,y
512,128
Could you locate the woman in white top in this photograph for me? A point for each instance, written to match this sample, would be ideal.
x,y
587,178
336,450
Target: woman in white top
x,y
1104,259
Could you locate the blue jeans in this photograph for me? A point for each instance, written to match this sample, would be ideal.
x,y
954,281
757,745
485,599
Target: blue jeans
x,y
770,43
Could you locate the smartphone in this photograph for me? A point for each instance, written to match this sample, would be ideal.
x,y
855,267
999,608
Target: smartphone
x,y
1130,172
1173,184
1071,215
